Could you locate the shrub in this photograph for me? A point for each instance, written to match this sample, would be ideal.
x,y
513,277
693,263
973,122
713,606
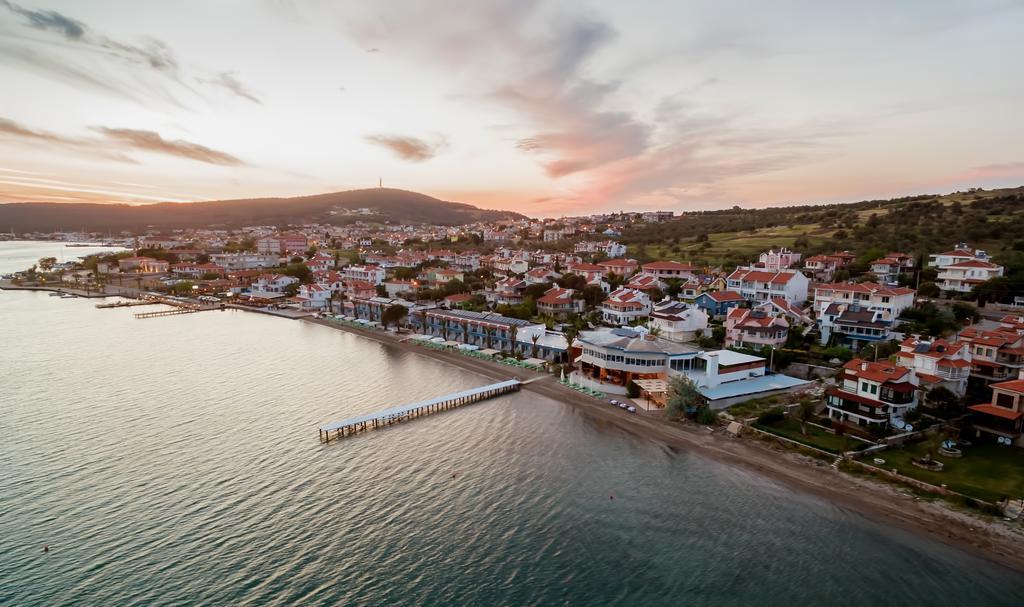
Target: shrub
x,y
771,416
632,390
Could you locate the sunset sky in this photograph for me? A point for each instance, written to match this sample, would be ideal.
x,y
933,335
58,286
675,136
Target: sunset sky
x,y
546,108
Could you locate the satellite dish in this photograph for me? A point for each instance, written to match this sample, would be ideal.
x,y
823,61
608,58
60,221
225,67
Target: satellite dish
x,y
908,428
899,423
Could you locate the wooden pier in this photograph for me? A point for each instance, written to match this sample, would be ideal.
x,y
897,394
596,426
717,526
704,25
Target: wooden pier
x,y
395,415
174,312
128,304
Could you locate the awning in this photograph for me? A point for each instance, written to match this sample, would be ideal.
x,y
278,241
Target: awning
x,y
488,352
537,362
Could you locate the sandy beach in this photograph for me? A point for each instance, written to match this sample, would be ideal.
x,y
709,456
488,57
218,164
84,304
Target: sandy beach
x,y
984,536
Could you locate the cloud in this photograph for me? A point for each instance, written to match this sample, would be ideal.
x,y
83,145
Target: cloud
x,y
53,21
408,148
541,61
229,82
115,141
151,141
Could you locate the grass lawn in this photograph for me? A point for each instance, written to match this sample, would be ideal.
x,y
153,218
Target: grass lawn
x,y
986,472
724,244
815,437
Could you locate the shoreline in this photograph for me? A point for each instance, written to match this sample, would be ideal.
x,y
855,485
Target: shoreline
x,y
879,502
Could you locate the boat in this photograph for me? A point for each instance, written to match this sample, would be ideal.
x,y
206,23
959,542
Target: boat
x,y
55,294
631,409
623,405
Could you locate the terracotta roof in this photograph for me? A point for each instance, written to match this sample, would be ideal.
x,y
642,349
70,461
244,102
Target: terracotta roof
x,y
836,391
1014,385
725,296
668,265
997,411
879,372
974,263
865,287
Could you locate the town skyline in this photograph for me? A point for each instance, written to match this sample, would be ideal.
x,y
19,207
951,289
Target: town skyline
x,y
556,111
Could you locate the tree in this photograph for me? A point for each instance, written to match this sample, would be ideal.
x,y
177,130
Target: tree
x,y
394,315
46,263
682,396
805,412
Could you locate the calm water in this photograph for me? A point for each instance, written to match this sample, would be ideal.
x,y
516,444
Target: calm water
x,y
175,461
20,254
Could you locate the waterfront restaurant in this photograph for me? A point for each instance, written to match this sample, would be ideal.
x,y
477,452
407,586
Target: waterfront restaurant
x,y
610,359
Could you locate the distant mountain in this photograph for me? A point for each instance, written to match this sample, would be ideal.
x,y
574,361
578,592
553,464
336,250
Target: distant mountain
x,y
338,208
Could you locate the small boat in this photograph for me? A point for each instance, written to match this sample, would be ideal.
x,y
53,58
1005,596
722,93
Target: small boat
x,y
614,402
54,294
631,409
623,405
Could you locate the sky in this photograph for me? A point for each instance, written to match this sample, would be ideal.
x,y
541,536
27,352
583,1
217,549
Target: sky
x,y
546,108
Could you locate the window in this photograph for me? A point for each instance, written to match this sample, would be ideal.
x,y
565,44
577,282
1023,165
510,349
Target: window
x,y
874,389
863,386
1004,400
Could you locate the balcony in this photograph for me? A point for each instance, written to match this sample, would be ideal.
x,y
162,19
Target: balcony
x,y
896,398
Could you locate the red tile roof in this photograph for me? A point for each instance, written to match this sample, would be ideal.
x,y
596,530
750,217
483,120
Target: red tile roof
x,y
1014,385
997,411
879,372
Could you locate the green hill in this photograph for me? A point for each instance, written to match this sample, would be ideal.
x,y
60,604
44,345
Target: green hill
x,y
385,204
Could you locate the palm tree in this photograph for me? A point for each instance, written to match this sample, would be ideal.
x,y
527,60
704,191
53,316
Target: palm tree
x,y
805,413
465,331
514,336
534,338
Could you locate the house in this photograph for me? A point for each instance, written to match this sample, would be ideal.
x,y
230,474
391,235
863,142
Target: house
x,y
314,297
133,264
367,273
937,362
755,328
762,285
874,395
690,289
271,286
610,248
330,279
160,241
621,267
541,275
624,306
823,267
320,262
610,359
289,242
775,260
996,355
671,269
964,276
589,271
395,287
678,321
245,261
718,303
359,289
507,291
197,270
859,312
791,312
559,303
887,270
456,301
958,254
1001,418
647,283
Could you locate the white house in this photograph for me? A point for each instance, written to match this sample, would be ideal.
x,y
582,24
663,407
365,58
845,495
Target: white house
x,y
678,321
963,276
759,285
872,394
624,306
271,286
368,273
959,254
937,362
314,297
671,269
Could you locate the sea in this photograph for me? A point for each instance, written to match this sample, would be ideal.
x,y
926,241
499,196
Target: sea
x,y
176,461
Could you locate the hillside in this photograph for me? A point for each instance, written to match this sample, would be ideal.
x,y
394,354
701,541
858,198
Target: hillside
x,y
387,205
992,220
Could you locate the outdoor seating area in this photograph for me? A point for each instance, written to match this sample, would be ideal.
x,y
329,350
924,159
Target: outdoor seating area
x,y
439,343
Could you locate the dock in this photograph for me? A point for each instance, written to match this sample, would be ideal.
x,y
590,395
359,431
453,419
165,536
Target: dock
x,y
127,304
395,415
